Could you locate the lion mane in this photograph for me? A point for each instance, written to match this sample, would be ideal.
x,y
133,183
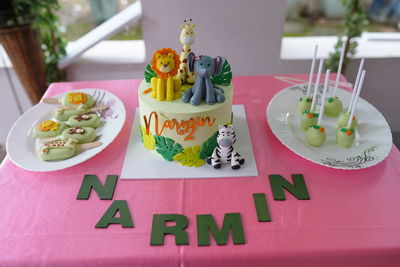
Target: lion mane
x,y
164,52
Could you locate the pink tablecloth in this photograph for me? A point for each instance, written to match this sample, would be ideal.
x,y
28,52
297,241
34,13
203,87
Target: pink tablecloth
x,y
352,219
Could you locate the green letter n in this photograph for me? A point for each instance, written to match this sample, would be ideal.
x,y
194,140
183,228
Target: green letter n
x,y
297,189
232,223
105,192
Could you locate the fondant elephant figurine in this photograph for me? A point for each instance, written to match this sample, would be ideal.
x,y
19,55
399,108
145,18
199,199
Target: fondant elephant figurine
x,y
204,66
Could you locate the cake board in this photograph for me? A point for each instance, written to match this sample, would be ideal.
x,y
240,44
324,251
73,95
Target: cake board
x,y
140,163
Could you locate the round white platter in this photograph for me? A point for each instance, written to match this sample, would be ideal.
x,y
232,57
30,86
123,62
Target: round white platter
x,y
22,146
373,140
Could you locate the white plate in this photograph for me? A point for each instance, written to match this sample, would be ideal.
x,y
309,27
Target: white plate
x,y
373,139
22,145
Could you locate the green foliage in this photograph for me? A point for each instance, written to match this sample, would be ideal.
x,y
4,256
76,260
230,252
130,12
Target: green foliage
x,y
149,73
355,21
167,147
225,77
208,146
41,15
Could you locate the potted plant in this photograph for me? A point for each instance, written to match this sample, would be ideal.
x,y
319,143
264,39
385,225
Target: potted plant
x,y
29,32
355,21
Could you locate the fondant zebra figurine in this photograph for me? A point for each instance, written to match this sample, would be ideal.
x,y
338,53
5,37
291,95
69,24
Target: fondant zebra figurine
x,y
225,152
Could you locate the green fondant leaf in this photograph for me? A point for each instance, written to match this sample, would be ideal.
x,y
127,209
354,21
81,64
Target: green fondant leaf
x,y
330,100
225,77
315,126
343,130
315,115
149,73
167,147
208,146
308,99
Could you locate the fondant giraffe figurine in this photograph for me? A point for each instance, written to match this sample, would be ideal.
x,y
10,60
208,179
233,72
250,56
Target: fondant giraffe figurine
x,y
187,38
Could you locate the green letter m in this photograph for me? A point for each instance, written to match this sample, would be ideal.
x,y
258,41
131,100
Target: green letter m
x,y
232,223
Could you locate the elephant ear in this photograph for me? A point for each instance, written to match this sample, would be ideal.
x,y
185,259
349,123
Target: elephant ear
x,y
190,61
219,62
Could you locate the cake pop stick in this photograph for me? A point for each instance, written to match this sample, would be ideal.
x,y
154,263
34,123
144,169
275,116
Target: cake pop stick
x,y
339,71
311,71
314,101
321,111
345,136
334,106
316,134
344,117
309,117
360,68
305,102
353,108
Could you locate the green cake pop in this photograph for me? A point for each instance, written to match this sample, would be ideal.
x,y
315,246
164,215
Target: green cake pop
x,y
316,134
344,118
49,128
333,106
309,117
305,102
345,137
80,134
84,120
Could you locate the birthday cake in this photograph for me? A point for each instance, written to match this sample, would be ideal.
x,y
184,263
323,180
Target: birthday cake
x,y
184,101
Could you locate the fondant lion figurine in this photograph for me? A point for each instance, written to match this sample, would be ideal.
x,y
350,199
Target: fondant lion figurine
x,y
165,64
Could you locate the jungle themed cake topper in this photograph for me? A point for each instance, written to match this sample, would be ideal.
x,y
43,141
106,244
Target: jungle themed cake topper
x,y
203,88
187,38
224,152
165,64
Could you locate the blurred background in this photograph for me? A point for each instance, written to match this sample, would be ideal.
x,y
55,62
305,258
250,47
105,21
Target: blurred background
x,y
114,39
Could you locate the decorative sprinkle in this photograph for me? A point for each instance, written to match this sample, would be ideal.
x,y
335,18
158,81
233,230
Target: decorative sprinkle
x,y
148,90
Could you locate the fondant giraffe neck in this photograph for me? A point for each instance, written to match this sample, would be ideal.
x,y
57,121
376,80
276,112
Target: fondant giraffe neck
x,y
187,38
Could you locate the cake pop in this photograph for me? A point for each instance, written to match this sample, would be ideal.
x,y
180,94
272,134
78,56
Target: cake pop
x,y
344,117
316,134
309,117
305,102
345,136
333,105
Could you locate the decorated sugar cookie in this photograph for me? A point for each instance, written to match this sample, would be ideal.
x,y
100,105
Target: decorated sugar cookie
x,y
84,120
80,134
49,128
225,153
